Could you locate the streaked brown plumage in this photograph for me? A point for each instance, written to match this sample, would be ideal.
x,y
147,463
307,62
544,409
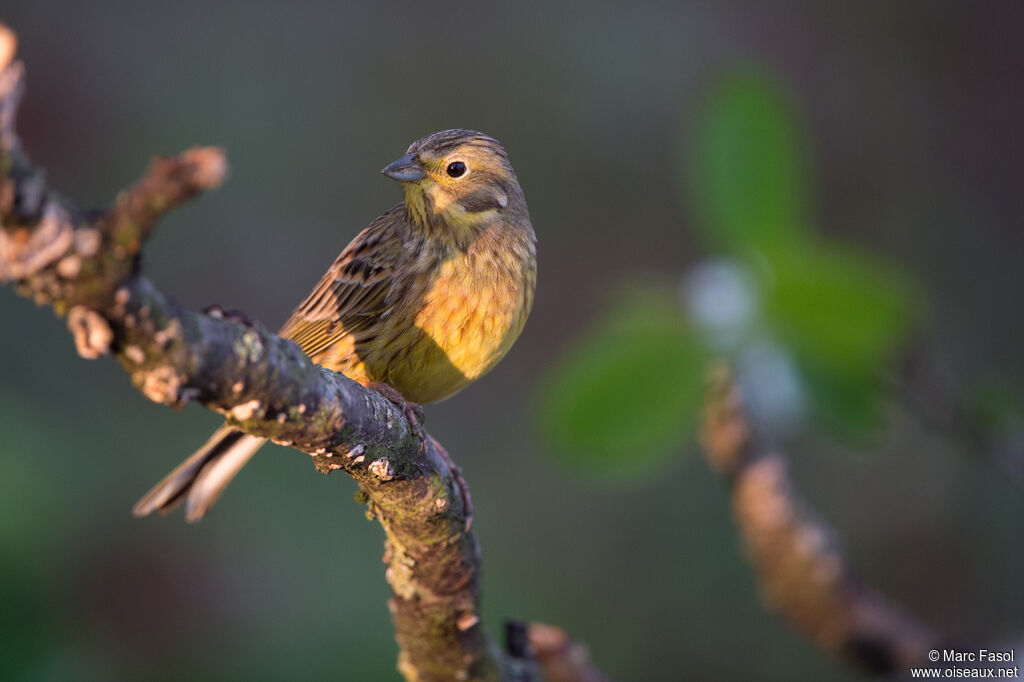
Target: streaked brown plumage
x,y
427,299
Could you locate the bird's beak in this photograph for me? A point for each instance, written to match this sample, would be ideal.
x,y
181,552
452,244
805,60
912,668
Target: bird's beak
x,y
404,169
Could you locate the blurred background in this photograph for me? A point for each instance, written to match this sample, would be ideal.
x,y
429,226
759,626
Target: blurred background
x,y
817,193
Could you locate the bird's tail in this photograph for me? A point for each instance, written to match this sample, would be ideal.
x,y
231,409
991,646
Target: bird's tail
x,y
200,479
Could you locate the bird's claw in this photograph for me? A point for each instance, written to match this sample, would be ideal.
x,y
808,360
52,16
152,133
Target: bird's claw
x,y
413,411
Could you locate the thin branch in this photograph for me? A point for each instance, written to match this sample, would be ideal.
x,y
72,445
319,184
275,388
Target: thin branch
x,y
801,571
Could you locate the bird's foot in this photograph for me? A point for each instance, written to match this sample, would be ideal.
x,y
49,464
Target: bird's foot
x,y
412,411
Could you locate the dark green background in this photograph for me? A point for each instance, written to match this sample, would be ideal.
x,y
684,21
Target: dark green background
x,y
912,112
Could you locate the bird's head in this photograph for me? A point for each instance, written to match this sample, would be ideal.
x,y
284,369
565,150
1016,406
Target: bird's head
x,y
456,181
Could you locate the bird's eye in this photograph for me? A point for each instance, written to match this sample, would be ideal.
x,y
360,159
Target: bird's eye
x,y
456,169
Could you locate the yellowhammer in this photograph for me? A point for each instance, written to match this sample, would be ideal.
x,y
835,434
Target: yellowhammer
x,y
424,301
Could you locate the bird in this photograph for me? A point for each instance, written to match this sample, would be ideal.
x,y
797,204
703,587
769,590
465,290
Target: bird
x,y
423,302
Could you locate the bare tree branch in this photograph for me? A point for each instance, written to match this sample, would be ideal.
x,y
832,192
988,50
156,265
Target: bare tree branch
x,y
85,265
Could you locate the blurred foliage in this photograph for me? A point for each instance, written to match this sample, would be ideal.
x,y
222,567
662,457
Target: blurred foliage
x,y
745,177
776,294
616,400
844,316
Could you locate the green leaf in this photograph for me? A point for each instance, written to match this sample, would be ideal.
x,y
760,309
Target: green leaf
x,y
848,403
747,177
845,316
627,396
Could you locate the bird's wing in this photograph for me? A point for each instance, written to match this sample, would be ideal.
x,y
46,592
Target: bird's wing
x,y
355,290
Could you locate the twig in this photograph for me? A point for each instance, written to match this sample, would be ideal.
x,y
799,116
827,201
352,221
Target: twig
x,y
561,658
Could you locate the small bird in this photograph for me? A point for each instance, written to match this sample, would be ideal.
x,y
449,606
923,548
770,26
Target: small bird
x,y
424,301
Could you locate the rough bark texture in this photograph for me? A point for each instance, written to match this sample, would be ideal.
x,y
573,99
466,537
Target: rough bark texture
x,y
84,265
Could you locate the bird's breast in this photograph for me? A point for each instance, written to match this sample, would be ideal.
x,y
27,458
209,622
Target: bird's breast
x,y
472,311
